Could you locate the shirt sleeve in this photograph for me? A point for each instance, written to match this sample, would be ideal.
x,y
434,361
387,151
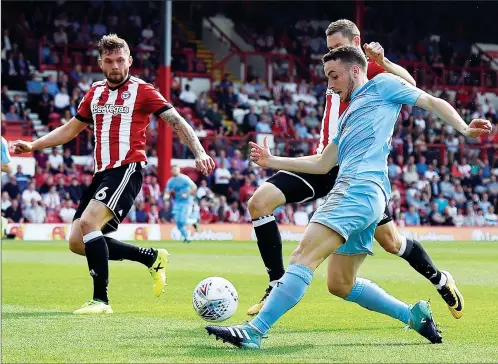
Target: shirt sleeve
x,y
374,69
395,89
5,151
154,102
84,112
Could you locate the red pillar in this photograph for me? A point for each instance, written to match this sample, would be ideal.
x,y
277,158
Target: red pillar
x,y
360,9
164,145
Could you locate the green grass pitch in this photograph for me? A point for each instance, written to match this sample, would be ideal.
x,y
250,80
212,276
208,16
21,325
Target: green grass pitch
x,y
42,283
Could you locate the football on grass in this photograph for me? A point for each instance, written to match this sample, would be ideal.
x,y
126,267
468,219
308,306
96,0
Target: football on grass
x,y
215,299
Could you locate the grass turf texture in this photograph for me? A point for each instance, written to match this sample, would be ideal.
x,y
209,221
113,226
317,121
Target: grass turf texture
x,y
42,283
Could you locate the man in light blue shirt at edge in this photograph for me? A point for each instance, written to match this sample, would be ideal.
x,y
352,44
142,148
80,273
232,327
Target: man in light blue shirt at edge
x,y
6,159
342,228
184,189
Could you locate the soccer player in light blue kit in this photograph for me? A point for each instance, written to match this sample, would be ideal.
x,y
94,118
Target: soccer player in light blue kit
x,y
342,228
6,159
184,189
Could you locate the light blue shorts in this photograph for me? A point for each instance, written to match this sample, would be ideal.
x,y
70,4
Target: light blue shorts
x,y
181,212
353,209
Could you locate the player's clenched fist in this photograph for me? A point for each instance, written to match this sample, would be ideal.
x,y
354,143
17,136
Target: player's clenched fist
x,y
21,146
260,154
374,51
204,164
478,127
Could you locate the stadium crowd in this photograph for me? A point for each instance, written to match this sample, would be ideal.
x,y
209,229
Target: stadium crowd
x,y
438,177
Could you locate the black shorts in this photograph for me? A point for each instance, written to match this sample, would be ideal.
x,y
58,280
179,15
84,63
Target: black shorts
x,y
304,187
117,188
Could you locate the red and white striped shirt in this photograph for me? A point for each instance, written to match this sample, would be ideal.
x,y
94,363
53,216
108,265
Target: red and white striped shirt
x,y
120,116
334,108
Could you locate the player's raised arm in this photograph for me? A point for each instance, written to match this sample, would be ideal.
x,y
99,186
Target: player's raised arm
x,y
203,162
58,136
375,52
319,164
449,115
6,159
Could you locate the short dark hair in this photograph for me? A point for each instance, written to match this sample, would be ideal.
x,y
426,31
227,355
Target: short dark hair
x,y
346,27
347,54
110,43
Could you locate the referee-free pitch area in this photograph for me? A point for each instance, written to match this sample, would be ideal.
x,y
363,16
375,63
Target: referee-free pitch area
x,y
42,283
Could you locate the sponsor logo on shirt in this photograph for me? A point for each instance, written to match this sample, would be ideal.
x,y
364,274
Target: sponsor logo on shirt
x,y
110,109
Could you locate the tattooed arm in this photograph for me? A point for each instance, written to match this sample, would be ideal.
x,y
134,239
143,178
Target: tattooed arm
x,y
203,162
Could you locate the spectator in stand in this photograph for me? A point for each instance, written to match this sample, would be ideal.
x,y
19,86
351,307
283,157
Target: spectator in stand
x,y
166,214
64,82
30,194
21,178
263,126
74,190
232,214
490,217
221,179
49,182
20,107
5,203
153,215
148,33
14,214
393,170
67,211
76,74
243,98
247,190
250,120
188,97
67,160
213,119
55,161
412,217
12,188
61,187
12,115
52,199
203,190
153,189
35,212
61,100
84,85
53,88
206,216
140,213
60,38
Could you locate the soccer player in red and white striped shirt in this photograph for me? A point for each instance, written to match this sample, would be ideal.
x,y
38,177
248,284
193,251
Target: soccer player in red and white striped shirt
x,y
287,187
119,108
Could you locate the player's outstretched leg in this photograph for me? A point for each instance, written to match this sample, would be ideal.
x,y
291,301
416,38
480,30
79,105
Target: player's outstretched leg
x,y
155,260
261,206
317,244
97,254
342,282
414,253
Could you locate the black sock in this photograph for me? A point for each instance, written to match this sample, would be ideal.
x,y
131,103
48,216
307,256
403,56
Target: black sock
x,y
418,258
97,256
270,245
119,250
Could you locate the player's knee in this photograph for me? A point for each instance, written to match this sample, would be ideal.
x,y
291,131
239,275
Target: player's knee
x,y
340,287
389,239
76,245
87,224
260,205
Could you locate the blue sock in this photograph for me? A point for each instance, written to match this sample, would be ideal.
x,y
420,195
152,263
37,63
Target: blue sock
x,y
181,226
285,295
370,296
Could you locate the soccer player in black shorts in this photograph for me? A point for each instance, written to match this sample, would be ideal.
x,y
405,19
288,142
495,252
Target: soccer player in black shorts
x,y
287,187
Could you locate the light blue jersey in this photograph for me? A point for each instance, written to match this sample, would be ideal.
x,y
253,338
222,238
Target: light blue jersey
x,y
356,204
182,207
5,152
180,185
365,128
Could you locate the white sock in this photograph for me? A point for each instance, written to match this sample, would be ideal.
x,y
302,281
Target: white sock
x,y
402,248
273,283
92,235
442,281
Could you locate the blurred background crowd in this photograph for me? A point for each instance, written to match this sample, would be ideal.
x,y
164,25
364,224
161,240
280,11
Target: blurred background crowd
x,y
49,62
